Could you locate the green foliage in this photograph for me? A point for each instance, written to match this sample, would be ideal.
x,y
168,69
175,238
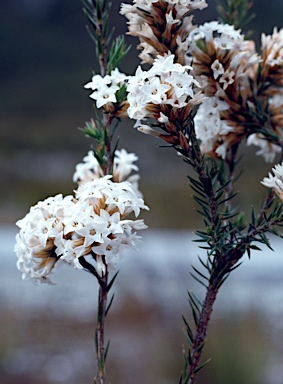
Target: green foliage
x,y
95,129
109,54
110,51
235,12
97,12
226,238
117,52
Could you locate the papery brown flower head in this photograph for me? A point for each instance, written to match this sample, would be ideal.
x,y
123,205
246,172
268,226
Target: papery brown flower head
x,y
162,26
227,68
271,73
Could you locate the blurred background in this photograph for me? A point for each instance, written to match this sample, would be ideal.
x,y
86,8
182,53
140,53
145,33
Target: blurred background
x,y
46,56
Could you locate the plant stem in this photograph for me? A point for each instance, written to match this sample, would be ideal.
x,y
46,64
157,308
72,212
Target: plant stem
x,y
223,264
108,147
222,261
201,330
100,329
102,25
231,162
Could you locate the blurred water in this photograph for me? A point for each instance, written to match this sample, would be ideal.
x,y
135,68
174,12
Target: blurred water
x,y
160,274
160,270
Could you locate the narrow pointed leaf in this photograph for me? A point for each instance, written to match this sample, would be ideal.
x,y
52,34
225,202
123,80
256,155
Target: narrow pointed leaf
x,y
201,366
109,286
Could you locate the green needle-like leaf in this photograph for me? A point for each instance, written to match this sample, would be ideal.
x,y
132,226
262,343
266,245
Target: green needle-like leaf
x,y
109,286
109,305
201,366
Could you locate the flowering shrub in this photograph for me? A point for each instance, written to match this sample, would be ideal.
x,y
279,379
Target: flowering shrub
x,y
205,92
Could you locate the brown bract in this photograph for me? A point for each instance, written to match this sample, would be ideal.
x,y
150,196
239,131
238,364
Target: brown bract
x,y
247,94
161,28
179,119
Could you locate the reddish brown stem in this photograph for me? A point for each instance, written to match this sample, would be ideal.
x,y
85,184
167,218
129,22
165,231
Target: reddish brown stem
x,y
100,330
201,330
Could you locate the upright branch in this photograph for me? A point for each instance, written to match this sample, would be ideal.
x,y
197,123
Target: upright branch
x,y
97,12
227,239
109,53
103,308
208,91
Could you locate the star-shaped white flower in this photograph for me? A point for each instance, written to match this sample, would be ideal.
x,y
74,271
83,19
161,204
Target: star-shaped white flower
x,y
154,91
95,229
217,68
104,95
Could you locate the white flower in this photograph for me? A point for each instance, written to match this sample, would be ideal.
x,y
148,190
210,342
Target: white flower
x,y
204,31
266,149
93,230
104,95
98,81
88,170
137,107
275,182
227,78
182,84
209,126
73,220
217,68
154,91
165,65
106,87
273,45
134,82
44,230
35,243
224,36
117,77
72,253
124,164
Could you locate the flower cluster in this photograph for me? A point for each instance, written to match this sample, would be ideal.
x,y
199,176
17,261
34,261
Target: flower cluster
x,y
167,93
266,149
222,63
228,68
162,26
92,224
106,90
223,36
165,83
123,165
35,243
225,67
221,57
275,182
209,126
272,46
